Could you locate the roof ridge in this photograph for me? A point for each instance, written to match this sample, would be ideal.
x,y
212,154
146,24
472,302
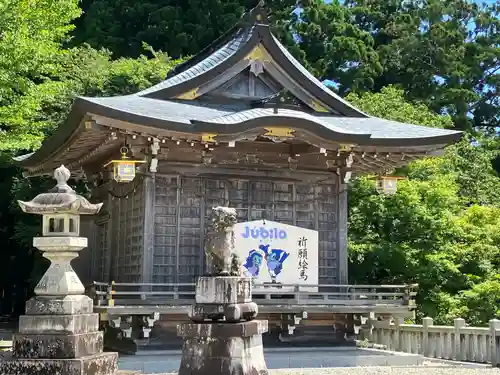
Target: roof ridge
x,y
246,21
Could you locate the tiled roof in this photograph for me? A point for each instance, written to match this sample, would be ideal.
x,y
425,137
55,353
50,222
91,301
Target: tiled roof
x,y
194,114
168,110
386,129
210,62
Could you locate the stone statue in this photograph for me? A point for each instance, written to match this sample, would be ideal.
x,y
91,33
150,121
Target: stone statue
x,y
220,243
225,294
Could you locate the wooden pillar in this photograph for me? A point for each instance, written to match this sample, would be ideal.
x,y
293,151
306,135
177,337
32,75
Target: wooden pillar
x,y
342,260
149,187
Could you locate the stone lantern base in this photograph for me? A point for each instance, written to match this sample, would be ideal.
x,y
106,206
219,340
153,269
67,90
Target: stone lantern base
x,y
59,335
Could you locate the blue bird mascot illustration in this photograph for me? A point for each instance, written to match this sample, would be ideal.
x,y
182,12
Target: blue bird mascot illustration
x,y
253,263
274,259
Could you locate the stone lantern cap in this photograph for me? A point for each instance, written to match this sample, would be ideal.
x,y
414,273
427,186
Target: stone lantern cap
x,y
60,199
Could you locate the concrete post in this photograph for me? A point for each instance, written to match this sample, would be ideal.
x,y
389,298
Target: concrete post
x,y
397,334
458,323
494,327
384,331
426,323
368,330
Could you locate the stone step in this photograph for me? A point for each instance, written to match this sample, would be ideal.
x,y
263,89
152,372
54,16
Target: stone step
x,y
57,346
97,364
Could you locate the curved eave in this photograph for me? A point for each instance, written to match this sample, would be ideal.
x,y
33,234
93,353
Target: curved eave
x,y
329,133
52,144
323,131
361,131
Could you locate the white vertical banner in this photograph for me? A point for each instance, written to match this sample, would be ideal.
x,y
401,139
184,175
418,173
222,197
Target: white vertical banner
x,y
274,253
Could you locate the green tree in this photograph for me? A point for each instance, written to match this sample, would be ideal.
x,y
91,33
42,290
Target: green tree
x,y
179,27
39,79
323,37
31,33
319,34
432,231
443,52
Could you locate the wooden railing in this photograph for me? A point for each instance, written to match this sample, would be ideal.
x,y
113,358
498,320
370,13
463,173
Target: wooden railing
x,y
457,342
113,294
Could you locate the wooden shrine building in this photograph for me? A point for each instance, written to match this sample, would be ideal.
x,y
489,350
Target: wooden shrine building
x,y
242,124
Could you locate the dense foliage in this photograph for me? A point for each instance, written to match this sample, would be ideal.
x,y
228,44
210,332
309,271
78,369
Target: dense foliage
x,y
432,62
39,79
442,228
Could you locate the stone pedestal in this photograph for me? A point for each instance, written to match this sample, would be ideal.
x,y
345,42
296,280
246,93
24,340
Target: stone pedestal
x,y
224,298
59,335
223,348
224,338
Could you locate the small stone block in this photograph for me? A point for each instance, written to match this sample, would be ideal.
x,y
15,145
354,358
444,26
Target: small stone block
x,y
199,313
70,324
57,346
98,364
59,306
222,330
228,313
60,244
223,290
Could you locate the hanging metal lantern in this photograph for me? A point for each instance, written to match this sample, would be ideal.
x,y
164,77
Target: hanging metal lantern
x,y
387,184
124,168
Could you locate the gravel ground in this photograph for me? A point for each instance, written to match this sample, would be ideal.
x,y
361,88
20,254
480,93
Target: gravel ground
x,y
430,369
421,370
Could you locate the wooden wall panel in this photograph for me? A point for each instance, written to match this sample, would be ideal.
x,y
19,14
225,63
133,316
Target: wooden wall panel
x,y
183,207
165,231
101,253
189,232
125,231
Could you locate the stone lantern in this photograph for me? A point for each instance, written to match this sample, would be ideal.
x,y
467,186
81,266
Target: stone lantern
x,y
59,333
60,209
